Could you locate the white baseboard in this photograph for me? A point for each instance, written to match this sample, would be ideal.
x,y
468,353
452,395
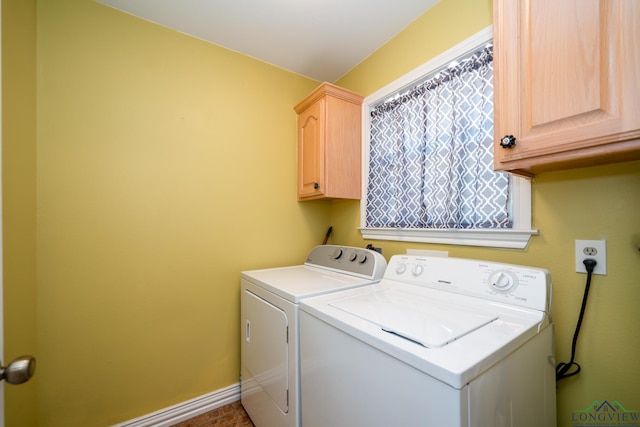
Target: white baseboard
x,y
185,410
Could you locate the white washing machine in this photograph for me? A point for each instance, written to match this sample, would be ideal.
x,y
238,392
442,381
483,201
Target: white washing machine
x,y
270,372
438,342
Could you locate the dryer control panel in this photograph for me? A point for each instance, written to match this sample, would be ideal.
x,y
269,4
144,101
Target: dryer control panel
x,y
514,284
359,262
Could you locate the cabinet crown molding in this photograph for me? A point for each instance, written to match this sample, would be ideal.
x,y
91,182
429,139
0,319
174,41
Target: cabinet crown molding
x,y
328,89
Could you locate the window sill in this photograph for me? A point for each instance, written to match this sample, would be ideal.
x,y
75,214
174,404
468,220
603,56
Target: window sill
x,y
510,239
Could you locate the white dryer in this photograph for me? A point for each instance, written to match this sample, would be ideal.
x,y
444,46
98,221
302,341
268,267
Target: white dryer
x,y
438,342
270,365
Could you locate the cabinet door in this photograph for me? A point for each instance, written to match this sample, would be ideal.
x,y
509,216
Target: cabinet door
x,y
566,82
311,140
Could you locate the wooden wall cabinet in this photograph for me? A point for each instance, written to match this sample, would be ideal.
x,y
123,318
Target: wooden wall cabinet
x,y
566,83
329,141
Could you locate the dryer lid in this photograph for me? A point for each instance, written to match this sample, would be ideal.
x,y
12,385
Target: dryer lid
x,y
416,318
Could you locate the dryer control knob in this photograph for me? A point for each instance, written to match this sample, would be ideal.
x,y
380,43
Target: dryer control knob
x,y
362,258
401,268
353,256
337,253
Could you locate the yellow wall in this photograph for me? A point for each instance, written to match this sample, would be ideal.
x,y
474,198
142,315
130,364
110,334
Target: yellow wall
x,y
19,199
166,165
591,203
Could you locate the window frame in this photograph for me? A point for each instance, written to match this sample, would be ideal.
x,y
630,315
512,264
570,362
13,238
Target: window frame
x,y
516,237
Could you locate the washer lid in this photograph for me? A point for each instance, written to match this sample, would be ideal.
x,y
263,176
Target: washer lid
x,y
414,317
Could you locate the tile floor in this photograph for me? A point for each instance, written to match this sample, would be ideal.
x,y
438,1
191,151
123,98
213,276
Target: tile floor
x,y
231,415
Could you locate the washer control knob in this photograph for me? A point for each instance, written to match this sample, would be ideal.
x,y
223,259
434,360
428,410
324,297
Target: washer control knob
x,y
401,268
502,281
353,256
362,258
337,253
417,270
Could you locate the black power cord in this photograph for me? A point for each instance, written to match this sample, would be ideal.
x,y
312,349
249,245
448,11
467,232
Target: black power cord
x,y
563,369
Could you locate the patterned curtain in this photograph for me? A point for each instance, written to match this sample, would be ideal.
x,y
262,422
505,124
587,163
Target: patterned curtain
x,y
431,154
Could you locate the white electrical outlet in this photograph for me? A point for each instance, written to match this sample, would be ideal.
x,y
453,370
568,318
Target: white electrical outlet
x,y
594,249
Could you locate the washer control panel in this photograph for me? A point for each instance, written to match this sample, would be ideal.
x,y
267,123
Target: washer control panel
x,y
348,260
518,285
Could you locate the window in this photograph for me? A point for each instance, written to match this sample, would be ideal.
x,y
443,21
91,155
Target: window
x,y
428,157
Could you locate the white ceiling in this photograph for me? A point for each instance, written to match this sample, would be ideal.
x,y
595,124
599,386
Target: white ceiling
x,y
320,39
